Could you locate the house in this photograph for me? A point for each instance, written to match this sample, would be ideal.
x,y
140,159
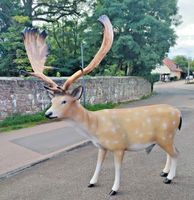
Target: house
x,y
175,71
168,70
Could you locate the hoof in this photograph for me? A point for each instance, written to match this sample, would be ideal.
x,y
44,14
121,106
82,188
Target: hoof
x,y
167,181
91,185
112,193
163,174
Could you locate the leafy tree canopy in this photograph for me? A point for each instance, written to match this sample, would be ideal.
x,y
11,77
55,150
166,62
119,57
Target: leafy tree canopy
x,y
143,33
183,62
60,21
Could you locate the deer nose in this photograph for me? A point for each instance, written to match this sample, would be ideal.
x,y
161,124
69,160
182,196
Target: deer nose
x,y
48,115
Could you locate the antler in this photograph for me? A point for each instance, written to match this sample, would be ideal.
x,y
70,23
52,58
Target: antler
x,y
105,47
37,51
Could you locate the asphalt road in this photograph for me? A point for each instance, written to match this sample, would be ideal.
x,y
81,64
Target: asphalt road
x,y
66,177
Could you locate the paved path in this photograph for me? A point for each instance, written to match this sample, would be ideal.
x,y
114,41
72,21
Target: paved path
x,y
66,177
22,148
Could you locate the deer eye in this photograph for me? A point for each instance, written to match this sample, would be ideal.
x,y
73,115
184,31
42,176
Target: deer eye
x,y
63,102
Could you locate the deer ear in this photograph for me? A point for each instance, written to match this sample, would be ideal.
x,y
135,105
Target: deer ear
x,y
77,92
50,92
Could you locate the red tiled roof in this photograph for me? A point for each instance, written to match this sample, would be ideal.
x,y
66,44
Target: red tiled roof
x,y
171,65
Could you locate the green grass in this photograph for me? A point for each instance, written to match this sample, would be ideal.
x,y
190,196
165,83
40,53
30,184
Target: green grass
x,y
100,106
18,121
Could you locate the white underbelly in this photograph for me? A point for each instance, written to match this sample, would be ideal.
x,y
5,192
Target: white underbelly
x,y
139,147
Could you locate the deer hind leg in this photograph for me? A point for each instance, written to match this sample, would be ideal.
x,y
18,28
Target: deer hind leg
x,y
101,157
171,162
166,169
118,158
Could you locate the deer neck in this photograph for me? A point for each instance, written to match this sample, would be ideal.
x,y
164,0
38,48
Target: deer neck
x,y
83,117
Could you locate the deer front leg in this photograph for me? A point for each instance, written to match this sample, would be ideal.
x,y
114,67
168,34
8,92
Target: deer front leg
x,y
101,157
118,158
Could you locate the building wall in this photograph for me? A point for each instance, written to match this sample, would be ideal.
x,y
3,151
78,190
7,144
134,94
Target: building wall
x,y
19,95
175,74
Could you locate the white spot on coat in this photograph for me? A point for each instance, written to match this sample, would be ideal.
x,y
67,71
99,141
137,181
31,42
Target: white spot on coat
x,y
114,130
136,114
159,110
173,112
165,125
128,120
148,120
163,138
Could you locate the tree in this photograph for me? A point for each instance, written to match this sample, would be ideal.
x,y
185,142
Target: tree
x,y
51,10
64,41
143,33
8,9
192,66
60,21
182,62
12,52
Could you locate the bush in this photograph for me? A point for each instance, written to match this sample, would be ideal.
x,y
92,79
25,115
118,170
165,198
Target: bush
x,y
152,78
113,71
18,121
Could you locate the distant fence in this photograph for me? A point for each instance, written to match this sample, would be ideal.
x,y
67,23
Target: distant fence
x,y
18,95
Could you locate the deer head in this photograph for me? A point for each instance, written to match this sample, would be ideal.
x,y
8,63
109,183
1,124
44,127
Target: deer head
x,y
63,105
62,100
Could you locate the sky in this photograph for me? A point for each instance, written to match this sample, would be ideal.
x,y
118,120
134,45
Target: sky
x,y
185,31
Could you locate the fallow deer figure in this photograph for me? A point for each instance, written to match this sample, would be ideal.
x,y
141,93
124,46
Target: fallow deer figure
x,y
116,130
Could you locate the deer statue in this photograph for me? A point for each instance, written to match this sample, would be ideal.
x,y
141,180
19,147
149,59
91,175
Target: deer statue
x,y
116,130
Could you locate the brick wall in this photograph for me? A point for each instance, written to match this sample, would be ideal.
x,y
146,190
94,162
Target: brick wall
x,y
19,95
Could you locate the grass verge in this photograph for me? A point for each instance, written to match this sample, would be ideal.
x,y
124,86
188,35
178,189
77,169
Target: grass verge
x,y
19,121
100,106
